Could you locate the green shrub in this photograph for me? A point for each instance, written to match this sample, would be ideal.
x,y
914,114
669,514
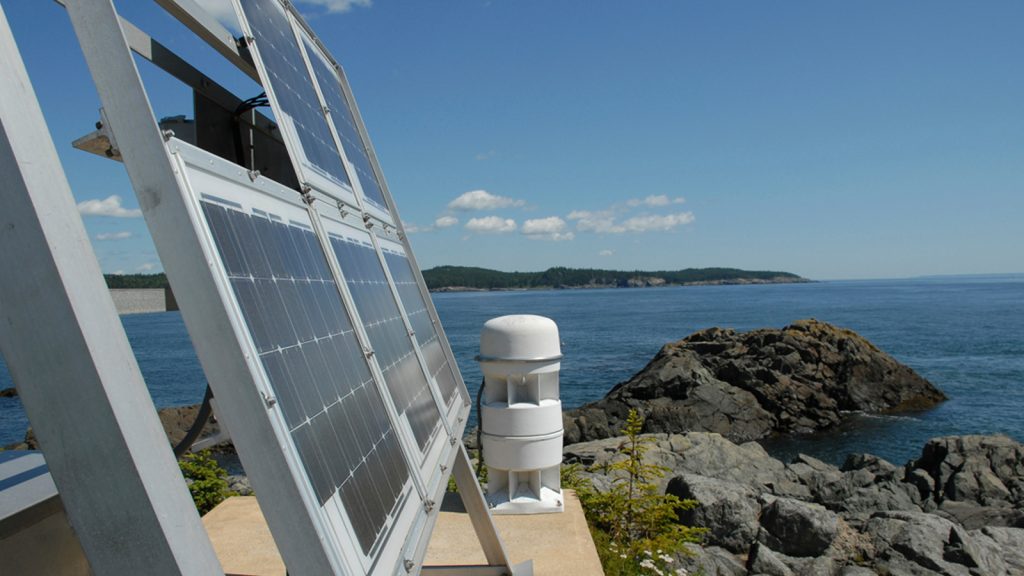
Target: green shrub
x,y
635,528
207,481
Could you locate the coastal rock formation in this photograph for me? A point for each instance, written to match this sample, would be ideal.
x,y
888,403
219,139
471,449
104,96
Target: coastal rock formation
x,y
955,510
754,384
178,420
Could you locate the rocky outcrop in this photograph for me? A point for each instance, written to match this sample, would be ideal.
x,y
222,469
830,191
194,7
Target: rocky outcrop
x,y
178,420
956,510
751,385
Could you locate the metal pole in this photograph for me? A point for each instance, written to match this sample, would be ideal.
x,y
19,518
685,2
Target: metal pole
x,y
73,367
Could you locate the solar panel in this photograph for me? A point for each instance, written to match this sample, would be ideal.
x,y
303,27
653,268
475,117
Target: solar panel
x,y
345,124
309,352
306,310
393,348
292,92
426,332
347,449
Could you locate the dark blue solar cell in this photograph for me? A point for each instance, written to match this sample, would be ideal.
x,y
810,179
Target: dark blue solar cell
x,y
291,85
313,460
225,240
419,317
314,363
379,312
345,125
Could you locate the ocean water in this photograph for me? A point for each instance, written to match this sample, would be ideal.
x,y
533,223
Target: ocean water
x,y
965,334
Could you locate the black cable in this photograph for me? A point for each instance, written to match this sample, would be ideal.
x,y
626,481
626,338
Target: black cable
x,y
479,429
197,425
243,107
254,102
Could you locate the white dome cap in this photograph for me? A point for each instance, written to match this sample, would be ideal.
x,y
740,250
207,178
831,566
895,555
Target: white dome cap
x,y
520,337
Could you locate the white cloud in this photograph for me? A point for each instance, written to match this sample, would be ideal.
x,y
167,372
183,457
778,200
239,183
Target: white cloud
x,y
147,267
657,222
338,6
113,235
483,200
414,229
543,225
486,155
659,200
599,222
109,206
491,225
550,228
606,222
222,10
605,253
446,222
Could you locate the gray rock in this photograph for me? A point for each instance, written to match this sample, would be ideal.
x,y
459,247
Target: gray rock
x,y
763,560
750,385
856,571
699,453
1006,544
710,561
972,516
913,541
240,485
728,510
797,528
987,470
814,518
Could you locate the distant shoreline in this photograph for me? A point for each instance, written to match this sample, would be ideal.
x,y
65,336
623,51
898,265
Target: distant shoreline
x,y
740,282
470,279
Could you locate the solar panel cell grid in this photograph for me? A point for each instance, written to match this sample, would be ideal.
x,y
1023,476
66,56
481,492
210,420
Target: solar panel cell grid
x,y
291,85
315,365
419,318
380,314
345,125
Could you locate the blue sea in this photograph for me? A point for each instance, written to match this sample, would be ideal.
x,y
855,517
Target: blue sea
x,y
964,333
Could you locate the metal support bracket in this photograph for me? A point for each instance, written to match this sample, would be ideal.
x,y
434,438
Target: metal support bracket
x,y
473,500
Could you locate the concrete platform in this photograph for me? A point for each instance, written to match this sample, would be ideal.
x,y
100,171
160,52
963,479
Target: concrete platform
x,y
242,540
558,544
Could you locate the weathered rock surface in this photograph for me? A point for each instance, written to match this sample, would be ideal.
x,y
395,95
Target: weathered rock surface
x,y
177,422
728,509
751,385
955,510
797,528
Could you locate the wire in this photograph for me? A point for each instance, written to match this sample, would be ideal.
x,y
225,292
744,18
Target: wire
x,y
479,429
197,425
254,102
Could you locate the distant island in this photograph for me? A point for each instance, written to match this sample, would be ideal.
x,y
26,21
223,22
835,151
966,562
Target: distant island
x,y
468,278
465,278
136,281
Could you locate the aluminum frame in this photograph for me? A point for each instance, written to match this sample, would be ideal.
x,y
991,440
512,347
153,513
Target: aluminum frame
x,y
104,446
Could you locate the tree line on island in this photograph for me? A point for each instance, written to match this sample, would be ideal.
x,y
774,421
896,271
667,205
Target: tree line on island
x,y
448,278
465,277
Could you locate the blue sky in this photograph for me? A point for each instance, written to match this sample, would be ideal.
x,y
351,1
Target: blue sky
x,y
830,139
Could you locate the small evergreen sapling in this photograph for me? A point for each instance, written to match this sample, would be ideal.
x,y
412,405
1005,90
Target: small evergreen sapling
x,y
637,527
206,480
